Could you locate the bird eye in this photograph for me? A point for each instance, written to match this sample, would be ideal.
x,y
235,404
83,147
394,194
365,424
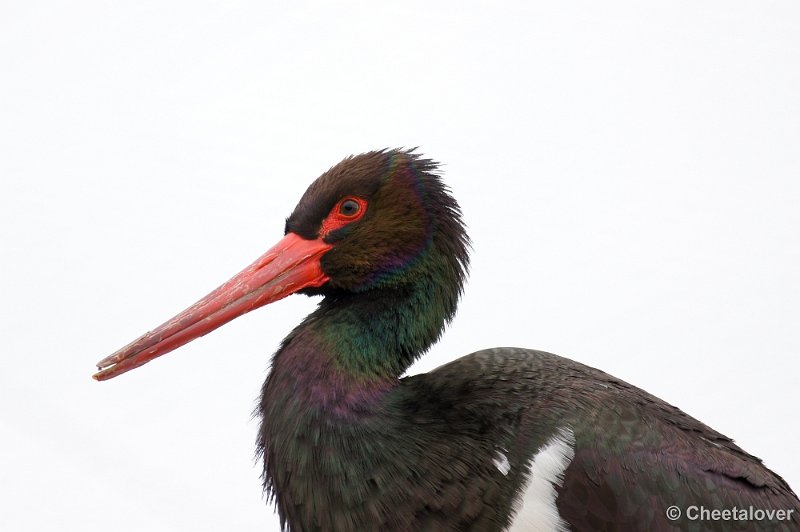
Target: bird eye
x,y
349,208
346,211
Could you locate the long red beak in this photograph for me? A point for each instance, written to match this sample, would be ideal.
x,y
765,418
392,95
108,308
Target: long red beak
x,y
291,265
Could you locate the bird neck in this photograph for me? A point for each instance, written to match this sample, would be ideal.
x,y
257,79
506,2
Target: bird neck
x,y
351,351
379,333
330,402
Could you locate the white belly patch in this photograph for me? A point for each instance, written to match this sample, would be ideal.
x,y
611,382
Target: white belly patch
x,y
535,510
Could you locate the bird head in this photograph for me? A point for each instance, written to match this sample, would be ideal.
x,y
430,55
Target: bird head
x,y
382,220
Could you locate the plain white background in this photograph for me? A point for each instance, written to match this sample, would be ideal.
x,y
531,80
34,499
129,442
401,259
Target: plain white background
x,y
629,173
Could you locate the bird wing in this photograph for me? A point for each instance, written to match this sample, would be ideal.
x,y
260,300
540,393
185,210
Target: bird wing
x,y
632,455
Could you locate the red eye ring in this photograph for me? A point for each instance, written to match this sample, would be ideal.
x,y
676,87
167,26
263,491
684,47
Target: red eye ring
x,y
347,210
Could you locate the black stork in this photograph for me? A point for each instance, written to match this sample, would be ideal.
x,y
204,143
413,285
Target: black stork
x,y
502,439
